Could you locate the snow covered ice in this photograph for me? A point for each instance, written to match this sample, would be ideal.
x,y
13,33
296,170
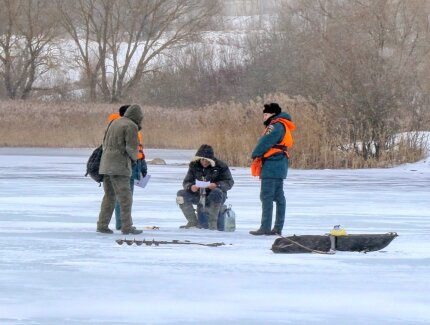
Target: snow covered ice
x,y
55,269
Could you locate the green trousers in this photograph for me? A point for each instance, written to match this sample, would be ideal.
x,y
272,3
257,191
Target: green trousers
x,y
116,187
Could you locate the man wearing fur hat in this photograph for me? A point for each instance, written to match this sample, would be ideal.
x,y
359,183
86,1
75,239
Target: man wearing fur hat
x,y
271,152
204,167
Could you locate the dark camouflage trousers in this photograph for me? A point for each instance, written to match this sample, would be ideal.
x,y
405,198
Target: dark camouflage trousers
x,y
186,199
116,187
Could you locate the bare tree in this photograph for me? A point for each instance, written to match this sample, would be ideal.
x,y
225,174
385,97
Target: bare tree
x,y
120,41
27,28
370,53
84,22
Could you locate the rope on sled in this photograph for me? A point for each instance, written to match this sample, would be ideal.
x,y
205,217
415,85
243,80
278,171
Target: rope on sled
x,y
307,248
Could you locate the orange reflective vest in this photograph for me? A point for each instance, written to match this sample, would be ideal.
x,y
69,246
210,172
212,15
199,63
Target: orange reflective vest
x,y
140,153
287,140
113,116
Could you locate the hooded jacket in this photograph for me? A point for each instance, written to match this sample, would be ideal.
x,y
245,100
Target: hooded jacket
x,y
120,147
140,154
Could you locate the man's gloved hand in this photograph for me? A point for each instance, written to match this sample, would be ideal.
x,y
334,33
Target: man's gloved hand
x,y
144,168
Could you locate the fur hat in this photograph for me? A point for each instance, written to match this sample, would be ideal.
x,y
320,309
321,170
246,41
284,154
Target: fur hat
x,y
205,152
272,108
122,109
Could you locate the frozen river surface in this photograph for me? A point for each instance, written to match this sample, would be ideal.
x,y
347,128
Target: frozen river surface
x,y
55,269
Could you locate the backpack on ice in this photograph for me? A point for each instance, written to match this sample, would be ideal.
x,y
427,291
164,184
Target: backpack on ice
x,y
93,164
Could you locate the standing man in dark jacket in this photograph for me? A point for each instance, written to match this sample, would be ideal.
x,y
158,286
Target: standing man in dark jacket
x,y
120,152
139,169
272,149
204,167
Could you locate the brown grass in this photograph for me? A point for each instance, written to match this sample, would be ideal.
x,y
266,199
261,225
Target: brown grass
x,y
231,128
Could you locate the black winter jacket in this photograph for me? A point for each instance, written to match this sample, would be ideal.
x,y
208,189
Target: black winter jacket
x,y
220,174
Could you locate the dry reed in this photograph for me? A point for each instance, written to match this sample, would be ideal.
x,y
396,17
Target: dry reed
x,y
231,128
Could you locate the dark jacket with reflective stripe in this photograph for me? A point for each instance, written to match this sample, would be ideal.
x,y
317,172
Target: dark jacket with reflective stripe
x,y
275,166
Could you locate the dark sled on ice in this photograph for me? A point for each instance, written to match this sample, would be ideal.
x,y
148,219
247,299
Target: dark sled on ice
x,y
327,243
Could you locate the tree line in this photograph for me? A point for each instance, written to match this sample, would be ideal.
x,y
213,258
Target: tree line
x,y
114,42
364,64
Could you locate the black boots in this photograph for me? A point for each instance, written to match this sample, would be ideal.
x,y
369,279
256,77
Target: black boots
x,y
276,232
104,231
132,231
188,225
260,232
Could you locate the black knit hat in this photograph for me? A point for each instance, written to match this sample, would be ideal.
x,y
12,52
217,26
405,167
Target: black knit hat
x,y
272,108
205,151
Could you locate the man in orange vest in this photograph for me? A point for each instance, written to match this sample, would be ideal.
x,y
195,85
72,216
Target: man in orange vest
x,y
138,170
272,153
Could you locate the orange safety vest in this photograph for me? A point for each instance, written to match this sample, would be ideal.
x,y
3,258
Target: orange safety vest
x,y
113,116
140,153
287,140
